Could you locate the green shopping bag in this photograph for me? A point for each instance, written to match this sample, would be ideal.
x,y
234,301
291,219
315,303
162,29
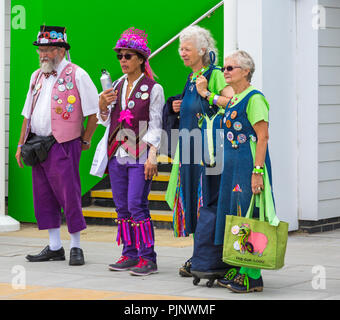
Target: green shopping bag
x,y
254,243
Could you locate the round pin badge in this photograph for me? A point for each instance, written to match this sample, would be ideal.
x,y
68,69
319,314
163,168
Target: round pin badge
x,y
53,35
227,114
230,136
131,104
233,115
68,78
68,70
69,85
237,126
253,138
228,123
235,230
58,110
71,99
60,101
38,86
69,108
34,92
55,97
61,88
144,96
60,80
138,95
241,138
65,115
144,88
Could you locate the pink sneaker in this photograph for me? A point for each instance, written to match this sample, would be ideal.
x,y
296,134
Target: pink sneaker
x,y
124,263
144,268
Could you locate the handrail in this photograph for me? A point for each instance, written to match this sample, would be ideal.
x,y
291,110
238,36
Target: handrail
x,y
194,23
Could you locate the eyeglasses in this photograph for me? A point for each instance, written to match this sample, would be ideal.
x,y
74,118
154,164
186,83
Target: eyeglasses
x,y
46,50
230,68
127,56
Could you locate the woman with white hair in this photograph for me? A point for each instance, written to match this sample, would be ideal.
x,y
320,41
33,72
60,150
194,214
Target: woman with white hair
x,y
245,125
205,93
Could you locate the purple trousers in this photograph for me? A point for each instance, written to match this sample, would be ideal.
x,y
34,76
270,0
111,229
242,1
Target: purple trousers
x,y
56,186
130,193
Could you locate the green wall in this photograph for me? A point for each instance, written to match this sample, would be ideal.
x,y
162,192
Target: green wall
x,y
93,27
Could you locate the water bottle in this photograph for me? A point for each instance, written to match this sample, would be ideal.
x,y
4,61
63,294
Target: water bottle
x,y
105,80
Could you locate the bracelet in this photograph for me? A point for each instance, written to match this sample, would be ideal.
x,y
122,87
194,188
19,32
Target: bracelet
x,y
20,145
105,113
211,98
215,99
258,170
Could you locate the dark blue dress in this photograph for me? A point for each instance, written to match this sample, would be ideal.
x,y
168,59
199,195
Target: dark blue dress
x,y
238,165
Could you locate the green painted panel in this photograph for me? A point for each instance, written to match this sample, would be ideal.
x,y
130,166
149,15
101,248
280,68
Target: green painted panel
x,y
93,27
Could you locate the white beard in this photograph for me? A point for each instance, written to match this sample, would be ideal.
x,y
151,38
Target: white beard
x,y
48,65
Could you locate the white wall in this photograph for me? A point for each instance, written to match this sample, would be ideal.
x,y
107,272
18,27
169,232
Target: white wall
x,y
266,29
329,111
7,77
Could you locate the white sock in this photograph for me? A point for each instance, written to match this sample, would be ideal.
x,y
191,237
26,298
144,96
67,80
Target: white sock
x,y
55,242
75,240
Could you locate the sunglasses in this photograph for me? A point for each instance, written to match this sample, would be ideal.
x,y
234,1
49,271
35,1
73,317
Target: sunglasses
x,y
229,68
127,56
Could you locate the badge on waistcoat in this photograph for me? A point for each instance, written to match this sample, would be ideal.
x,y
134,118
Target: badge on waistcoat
x,y
144,88
241,138
238,126
60,80
131,104
69,85
144,96
65,115
138,95
68,70
230,136
61,88
233,115
69,108
71,99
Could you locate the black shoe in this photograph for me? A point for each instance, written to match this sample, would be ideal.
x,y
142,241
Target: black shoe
x,y
185,270
76,257
244,284
228,278
46,254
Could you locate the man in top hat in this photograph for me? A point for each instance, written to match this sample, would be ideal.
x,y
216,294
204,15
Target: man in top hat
x,y
60,96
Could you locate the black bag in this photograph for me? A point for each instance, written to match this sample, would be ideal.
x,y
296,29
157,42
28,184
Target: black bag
x,y
36,149
207,256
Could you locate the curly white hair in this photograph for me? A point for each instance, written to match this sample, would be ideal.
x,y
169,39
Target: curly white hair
x,y
203,41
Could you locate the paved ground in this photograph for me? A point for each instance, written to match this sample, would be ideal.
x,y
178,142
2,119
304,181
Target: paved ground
x,y
312,270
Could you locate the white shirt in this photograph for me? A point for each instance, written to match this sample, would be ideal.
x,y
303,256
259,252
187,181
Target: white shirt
x,y
41,117
157,100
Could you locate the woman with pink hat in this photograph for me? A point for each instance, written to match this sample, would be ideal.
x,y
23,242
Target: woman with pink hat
x,y
134,132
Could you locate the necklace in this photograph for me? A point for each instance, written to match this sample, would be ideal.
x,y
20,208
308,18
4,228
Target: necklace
x,y
196,75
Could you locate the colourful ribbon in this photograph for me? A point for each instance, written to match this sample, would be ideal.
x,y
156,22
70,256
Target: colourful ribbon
x,y
127,116
119,233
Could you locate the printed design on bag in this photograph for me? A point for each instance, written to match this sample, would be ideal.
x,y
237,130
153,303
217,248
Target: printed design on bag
x,y
238,189
249,241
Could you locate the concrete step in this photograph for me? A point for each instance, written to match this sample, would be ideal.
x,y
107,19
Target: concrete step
x,y
107,194
110,213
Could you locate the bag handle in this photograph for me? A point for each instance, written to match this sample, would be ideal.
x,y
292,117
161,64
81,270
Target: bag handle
x,y
250,211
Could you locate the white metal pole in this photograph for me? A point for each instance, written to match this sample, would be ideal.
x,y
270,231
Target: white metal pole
x,y
230,26
7,223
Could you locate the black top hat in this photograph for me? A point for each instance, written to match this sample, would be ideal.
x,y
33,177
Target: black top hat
x,y
52,36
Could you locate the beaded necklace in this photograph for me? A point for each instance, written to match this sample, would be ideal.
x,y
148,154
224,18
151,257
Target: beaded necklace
x,y
197,74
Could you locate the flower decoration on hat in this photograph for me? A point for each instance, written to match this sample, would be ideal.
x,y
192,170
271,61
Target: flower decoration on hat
x,y
134,39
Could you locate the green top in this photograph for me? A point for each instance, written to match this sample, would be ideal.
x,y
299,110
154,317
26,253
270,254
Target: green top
x,y
216,82
257,108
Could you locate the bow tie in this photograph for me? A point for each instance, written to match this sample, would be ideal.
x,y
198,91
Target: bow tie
x,y
47,74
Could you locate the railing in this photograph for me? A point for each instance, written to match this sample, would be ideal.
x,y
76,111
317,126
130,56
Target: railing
x,y
207,14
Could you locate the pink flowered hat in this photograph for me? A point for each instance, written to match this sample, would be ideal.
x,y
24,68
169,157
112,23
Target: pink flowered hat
x,y
134,39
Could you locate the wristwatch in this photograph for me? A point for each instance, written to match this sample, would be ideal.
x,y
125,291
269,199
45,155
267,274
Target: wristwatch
x,y
85,142
207,94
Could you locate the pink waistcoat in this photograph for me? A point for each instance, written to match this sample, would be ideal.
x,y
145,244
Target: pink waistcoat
x,y
66,112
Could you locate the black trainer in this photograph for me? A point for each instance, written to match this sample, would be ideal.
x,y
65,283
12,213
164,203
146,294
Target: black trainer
x,y
244,284
185,270
47,254
228,278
